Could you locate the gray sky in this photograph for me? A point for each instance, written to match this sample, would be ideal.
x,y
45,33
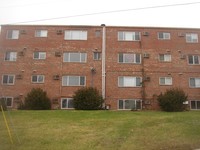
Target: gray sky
x,y
15,11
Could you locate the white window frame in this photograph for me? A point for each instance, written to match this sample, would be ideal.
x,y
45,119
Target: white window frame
x,y
167,57
12,34
9,75
134,56
196,82
129,81
41,33
191,37
167,80
75,35
129,36
197,102
66,80
67,57
12,56
124,104
165,36
38,78
41,55
67,105
193,59
6,101
97,55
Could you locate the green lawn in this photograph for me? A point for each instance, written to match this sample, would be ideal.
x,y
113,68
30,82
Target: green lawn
x,y
101,130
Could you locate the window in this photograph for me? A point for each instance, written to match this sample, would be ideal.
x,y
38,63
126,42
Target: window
x,y
129,104
37,78
8,101
125,81
39,55
195,104
13,34
128,36
96,55
194,59
165,80
73,81
67,103
129,58
11,56
192,38
195,82
8,79
75,35
41,33
163,36
165,57
97,33
74,57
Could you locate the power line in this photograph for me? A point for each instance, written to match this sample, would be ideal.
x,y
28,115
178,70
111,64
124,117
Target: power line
x,y
108,12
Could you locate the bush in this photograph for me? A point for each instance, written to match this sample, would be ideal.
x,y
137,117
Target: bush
x,y
87,99
36,100
3,104
172,100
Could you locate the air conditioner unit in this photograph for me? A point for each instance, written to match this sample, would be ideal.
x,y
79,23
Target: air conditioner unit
x,y
182,56
21,53
181,34
23,31
58,54
59,31
145,55
56,77
145,33
19,76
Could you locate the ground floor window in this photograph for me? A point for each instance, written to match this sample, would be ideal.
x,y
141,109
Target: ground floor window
x,y
8,101
67,103
129,104
195,105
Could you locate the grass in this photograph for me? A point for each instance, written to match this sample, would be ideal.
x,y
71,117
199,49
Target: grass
x,y
101,130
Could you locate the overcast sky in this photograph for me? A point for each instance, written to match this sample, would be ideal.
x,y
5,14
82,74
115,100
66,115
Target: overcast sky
x,y
73,12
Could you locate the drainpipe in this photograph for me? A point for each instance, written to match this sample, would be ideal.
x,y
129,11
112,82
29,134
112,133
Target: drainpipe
x,y
104,61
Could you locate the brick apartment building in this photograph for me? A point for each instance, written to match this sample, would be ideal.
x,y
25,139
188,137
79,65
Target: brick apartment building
x,y
130,66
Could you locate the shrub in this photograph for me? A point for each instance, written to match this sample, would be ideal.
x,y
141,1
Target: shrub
x,y
87,99
37,99
172,100
3,104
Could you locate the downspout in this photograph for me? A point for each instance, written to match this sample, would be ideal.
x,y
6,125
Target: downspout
x,y
104,62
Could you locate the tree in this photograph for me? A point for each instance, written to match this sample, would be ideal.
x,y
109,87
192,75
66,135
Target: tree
x,y
37,99
172,100
87,98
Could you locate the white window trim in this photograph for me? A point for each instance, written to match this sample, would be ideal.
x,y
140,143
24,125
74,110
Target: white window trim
x,y
69,53
37,79
8,75
130,86
195,79
191,34
195,104
81,37
99,54
129,62
164,36
128,99
12,35
10,57
73,76
193,60
39,58
67,103
165,60
42,36
165,81
130,32
5,97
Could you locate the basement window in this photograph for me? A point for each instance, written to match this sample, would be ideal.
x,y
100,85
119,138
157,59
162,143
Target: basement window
x,y
129,104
